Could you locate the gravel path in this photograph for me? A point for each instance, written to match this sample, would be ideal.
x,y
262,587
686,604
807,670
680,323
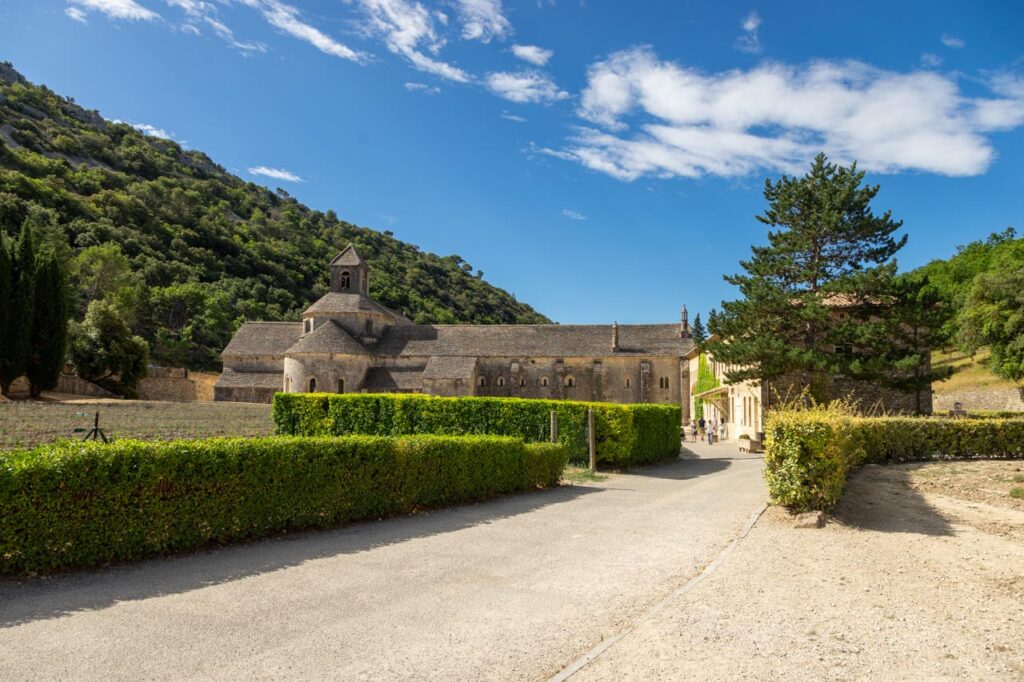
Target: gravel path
x,y
511,589
900,585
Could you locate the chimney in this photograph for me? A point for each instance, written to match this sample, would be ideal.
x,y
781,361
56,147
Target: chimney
x,y
684,324
615,337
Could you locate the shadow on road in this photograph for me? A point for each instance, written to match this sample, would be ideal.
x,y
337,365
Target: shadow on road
x,y
880,498
684,468
30,600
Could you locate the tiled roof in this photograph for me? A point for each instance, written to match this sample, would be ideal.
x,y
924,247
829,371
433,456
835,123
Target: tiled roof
x,y
449,367
328,338
542,340
348,256
263,338
387,379
337,303
233,379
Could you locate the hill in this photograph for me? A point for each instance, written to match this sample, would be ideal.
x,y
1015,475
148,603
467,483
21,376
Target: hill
x,y
187,250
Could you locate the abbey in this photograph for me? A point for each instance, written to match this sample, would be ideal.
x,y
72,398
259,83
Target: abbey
x,y
347,342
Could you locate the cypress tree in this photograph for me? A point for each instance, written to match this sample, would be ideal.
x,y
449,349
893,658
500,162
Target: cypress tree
x,y
23,278
698,331
49,326
7,368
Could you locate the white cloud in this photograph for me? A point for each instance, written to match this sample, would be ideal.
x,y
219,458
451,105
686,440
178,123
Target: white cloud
x,y
533,54
202,12
275,173
575,215
512,117
147,129
524,86
483,20
288,19
422,87
408,29
116,9
952,41
750,40
931,61
76,14
661,119
228,36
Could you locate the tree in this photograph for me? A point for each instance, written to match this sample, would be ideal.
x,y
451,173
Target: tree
x,y
17,332
698,331
7,369
993,316
103,349
823,283
49,326
100,271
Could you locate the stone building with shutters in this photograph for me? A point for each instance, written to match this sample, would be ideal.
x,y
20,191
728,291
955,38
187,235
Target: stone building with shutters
x,y
349,343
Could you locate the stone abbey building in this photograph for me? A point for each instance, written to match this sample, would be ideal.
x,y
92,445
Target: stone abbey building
x,y
349,343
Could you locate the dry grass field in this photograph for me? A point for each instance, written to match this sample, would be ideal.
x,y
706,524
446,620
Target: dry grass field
x,y
969,373
27,423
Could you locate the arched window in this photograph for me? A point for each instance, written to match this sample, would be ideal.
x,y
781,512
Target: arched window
x,y
346,280
341,385
501,381
570,382
482,381
544,381
312,385
522,382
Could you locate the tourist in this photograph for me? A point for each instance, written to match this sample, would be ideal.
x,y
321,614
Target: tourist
x,y
693,429
711,432
701,423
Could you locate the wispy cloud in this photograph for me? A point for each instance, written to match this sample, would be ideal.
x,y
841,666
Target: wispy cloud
x,y
422,87
657,118
289,20
512,117
930,60
483,20
952,41
76,14
537,56
750,40
200,12
115,9
147,129
525,87
574,215
409,29
275,173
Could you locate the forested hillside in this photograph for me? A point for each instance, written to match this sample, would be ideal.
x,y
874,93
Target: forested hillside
x,y
184,251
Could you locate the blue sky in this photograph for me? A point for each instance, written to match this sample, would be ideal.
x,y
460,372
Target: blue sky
x,y
600,160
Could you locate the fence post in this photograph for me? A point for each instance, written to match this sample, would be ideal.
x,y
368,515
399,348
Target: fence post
x,y
591,440
554,426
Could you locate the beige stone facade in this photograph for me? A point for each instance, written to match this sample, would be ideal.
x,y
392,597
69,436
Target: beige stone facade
x,y
347,342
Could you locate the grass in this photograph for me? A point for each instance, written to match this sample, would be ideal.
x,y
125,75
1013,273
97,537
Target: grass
x,y
969,373
1017,493
26,424
575,474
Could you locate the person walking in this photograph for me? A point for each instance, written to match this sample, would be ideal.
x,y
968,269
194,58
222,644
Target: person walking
x,y
693,429
701,423
711,432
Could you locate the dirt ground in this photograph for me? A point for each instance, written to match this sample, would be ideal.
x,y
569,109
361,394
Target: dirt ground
x,y
29,423
918,575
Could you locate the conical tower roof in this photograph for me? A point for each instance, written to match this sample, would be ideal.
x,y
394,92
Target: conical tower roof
x,y
349,257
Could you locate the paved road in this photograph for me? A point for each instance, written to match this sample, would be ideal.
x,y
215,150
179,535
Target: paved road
x,y
511,589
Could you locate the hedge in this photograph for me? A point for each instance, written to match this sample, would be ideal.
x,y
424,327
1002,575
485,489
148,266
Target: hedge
x,y
809,453
83,504
626,434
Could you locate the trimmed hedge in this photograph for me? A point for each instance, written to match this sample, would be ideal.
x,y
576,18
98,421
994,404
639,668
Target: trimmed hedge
x,y
626,434
809,453
83,504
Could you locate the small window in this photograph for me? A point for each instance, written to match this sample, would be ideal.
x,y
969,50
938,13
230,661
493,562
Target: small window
x,y
307,325
544,381
570,382
628,383
482,381
501,381
663,382
346,280
312,385
341,385
522,382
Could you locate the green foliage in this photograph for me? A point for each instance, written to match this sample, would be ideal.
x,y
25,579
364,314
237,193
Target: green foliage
x,y
625,434
699,333
49,344
810,452
180,219
706,380
85,504
993,316
104,351
8,371
830,252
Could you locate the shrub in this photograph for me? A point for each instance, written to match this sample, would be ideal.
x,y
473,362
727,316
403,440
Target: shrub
x,y
625,434
810,452
83,504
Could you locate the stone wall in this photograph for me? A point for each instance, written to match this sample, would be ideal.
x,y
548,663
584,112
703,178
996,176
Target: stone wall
x,y
176,384
982,399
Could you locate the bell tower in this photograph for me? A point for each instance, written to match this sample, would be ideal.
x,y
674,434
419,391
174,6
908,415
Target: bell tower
x,y
349,273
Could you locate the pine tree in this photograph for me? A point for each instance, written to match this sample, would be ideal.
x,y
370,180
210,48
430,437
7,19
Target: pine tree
x,y
49,326
7,368
698,331
817,299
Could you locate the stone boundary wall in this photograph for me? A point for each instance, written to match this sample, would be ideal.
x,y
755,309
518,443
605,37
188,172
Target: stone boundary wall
x,y
177,384
981,399
67,383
